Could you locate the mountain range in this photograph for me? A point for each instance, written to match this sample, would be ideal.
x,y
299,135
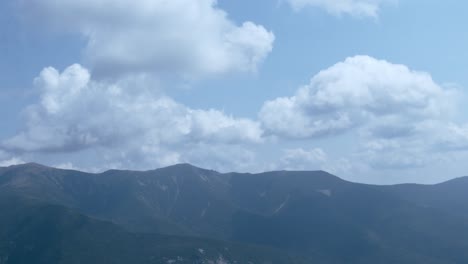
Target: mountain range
x,y
185,214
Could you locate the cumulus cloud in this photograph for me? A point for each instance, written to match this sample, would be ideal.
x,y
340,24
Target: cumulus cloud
x,y
357,8
392,116
360,91
126,119
189,38
396,114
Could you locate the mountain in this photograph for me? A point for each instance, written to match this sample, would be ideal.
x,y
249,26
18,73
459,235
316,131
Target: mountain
x,y
450,196
302,216
34,232
169,200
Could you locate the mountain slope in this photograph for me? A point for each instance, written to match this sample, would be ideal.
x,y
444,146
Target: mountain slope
x,y
311,214
450,196
169,200
33,232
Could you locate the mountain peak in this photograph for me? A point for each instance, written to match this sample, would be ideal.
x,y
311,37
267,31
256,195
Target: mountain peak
x,y
182,166
32,165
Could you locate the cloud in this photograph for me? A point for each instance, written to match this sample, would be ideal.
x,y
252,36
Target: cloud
x,y
67,166
396,154
396,115
316,159
388,99
128,120
391,117
224,157
188,38
300,159
11,161
356,8
455,138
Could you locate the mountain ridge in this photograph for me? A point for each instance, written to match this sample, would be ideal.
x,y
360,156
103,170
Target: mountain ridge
x,y
194,167
312,214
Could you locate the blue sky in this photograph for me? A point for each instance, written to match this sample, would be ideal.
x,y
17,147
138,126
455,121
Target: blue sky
x,y
371,90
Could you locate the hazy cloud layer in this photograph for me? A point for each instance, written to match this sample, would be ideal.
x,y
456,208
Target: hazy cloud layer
x,y
357,8
188,38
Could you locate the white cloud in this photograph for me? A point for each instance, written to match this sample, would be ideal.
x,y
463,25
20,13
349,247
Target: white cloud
x,y
397,116
286,117
392,117
388,99
67,166
357,8
300,159
223,157
127,120
317,159
455,138
11,161
189,38
396,153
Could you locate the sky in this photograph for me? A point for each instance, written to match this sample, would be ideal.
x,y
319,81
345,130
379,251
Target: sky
x,y
372,91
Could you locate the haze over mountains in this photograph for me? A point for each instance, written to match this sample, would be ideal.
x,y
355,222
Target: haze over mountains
x,y
185,214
